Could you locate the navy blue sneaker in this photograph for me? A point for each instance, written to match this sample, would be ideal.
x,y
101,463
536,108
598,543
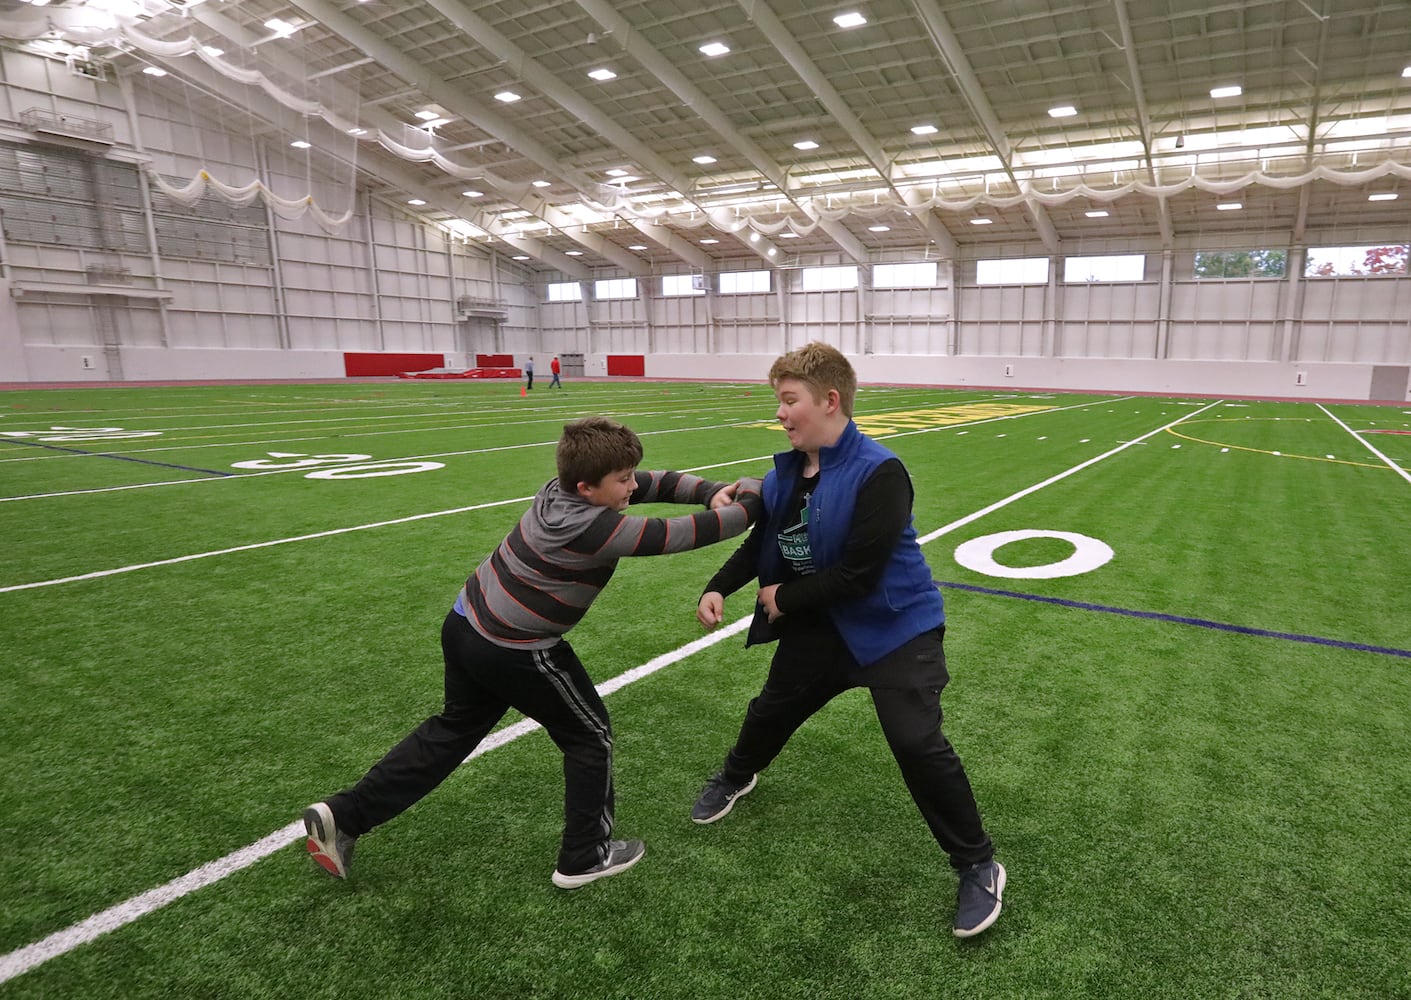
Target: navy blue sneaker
x,y
977,904
718,797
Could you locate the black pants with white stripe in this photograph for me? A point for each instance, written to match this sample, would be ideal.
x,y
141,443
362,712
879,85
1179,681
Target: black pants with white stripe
x,y
812,666
484,681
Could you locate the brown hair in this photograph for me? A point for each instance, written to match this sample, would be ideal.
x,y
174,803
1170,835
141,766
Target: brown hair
x,y
820,367
592,447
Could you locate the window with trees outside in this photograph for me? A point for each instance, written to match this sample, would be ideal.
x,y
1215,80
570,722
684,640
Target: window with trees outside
x,y
1241,263
1333,262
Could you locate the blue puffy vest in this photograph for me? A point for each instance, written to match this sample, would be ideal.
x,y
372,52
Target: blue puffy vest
x,y
905,603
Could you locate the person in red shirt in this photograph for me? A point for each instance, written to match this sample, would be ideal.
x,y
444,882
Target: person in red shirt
x,y
554,367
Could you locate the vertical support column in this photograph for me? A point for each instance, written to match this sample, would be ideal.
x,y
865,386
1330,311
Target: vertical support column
x,y
864,308
1163,307
786,280
276,270
585,297
371,245
144,187
953,331
1053,309
14,366
1293,293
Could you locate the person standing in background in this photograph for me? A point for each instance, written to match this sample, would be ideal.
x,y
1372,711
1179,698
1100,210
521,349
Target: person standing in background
x,y
554,368
529,373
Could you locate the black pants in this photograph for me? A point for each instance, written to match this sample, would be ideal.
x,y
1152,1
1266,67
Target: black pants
x,y
813,667
484,681
530,383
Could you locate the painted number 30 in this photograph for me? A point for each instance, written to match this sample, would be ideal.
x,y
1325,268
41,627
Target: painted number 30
x,y
285,461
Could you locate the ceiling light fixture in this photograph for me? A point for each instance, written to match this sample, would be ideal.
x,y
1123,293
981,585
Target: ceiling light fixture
x,y
709,241
1229,206
1383,196
982,222
211,50
1097,213
636,246
788,236
805,144
852,19
772,251
1062,111
426,115
573,253
879,229
924,129
602,74
616,172
300,144
473,194
1406,72
154,71
415,201
357,131
507,96
280,27
520,257
703,159
541,184
714,49
1233,90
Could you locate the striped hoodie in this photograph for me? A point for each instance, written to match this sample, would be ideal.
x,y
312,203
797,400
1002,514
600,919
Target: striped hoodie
x,y
550,568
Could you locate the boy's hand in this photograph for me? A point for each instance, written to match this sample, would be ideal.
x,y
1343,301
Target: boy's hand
x,y
766,598
711,610
724,496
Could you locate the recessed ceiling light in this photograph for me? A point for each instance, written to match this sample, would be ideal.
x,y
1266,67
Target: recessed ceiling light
x,y
1230,206
924,129
713,49
636,246
879,229
708,241
573,253
427,115
154,71
982,222
602,74
300,144
1383,196
473,194
507,96
1062,111
280,26
852,19
616,172
415,201
1231,91
805,144
357,131
1406,72
788,236
1098,213
754,237
703,158
520,257
542,184
211,50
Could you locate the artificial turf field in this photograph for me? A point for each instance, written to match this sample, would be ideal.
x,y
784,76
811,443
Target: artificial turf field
x,y
1194,757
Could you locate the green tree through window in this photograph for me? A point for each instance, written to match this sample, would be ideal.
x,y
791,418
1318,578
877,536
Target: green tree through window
x,y
1241,264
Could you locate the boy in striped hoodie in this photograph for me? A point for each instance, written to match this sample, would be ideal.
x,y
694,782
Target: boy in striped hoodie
x,y
504,646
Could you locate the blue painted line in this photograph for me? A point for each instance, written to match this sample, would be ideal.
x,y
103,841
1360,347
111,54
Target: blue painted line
x,y
123,458
1316,640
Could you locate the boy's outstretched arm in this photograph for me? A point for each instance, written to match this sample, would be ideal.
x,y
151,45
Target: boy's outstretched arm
x,y
614,536
738,570
678,487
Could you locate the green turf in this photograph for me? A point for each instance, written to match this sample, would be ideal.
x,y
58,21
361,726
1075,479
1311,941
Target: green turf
x,y
1184,811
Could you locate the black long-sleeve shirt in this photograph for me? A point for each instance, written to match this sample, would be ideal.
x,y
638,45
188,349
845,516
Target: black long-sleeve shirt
x,y
881,514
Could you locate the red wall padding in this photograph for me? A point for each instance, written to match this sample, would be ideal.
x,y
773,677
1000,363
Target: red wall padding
x,y
494,361
627,364
367,363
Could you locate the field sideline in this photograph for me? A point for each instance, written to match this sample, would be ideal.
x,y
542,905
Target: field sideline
x,y
1178,631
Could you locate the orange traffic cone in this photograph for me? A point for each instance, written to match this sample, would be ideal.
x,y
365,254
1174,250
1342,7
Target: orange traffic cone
x,y
523,391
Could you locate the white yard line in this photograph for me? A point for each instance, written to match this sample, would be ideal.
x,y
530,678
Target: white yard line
x,y
1368,445
22,960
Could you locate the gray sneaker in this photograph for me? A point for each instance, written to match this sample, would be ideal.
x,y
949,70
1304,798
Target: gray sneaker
x,y
718,797
331,848
977,903
622,855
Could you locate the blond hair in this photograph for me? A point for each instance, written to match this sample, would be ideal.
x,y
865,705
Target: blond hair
x,y
820,367
592,447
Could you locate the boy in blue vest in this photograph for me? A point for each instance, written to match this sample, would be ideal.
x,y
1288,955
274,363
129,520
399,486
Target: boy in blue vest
x,y
847,593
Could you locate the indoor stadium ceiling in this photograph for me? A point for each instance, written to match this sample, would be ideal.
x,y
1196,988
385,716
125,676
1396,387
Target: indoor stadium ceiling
x,y
603,134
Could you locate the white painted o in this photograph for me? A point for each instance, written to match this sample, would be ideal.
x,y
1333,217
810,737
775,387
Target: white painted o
x,y
978,555
373,471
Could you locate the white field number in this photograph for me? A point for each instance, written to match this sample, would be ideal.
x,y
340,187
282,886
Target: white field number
x,y
280,461
55,434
